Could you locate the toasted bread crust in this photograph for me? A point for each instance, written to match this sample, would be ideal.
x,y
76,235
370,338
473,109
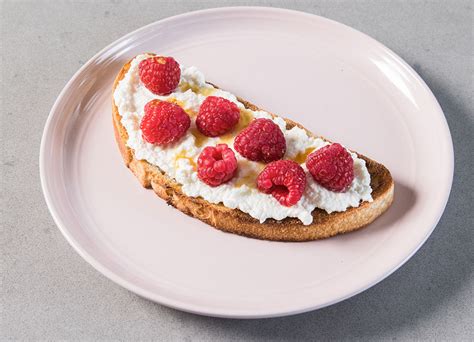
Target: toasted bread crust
x,y
324,225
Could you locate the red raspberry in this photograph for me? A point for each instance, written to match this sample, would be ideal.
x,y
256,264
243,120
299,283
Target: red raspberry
x,y
284,179
332,167
262,140
160,74
164,122
216,165
217,116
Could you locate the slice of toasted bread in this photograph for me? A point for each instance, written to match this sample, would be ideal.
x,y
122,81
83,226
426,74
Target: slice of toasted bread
x,y
324,225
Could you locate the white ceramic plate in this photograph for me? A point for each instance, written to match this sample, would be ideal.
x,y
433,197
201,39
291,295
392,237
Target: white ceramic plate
x,y
336,81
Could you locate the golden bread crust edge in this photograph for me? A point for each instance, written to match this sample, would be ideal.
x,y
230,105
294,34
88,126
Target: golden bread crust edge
x,y
324,225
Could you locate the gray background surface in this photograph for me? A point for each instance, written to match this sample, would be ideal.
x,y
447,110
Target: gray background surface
x,y
49,292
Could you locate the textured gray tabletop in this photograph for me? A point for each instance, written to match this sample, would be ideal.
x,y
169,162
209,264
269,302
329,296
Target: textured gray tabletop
x,y
48,292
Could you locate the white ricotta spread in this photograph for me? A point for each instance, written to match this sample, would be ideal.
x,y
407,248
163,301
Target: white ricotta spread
x,y
179,160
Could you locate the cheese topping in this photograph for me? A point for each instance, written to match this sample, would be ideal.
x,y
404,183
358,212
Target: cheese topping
x,y
179,160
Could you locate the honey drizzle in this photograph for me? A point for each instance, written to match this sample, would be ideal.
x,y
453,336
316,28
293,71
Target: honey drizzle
x,y
191,113
203,91
182,155
246,117
300,158
250,178
200,139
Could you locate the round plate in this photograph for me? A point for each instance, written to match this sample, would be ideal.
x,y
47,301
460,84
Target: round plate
x,y
336,81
